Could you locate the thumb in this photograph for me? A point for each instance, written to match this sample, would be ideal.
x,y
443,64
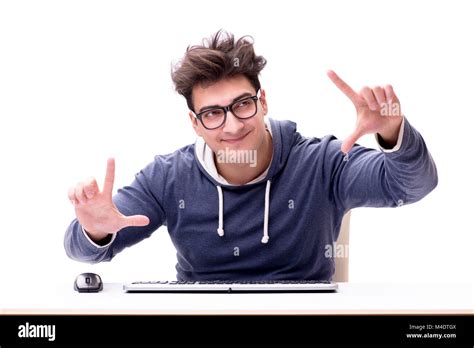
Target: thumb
x,y
135,220
349,142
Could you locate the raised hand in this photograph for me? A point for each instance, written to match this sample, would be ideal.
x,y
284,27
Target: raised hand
x,y
378,111
96,211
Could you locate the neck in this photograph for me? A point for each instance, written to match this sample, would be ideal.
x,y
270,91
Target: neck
x,y
242,173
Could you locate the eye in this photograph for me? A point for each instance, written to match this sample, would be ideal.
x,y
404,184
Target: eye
x,y
243,103
213,113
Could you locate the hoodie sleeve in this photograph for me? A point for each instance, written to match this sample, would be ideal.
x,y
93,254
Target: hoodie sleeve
x,y
143,196
371,178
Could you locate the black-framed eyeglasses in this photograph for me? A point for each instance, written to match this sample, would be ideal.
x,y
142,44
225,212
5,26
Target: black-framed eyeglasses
x,y
242,109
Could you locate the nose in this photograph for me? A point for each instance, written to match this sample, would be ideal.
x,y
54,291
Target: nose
x,y
232,124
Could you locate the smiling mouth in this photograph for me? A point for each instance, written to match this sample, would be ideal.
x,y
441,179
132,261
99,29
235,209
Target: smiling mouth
x,y
236,140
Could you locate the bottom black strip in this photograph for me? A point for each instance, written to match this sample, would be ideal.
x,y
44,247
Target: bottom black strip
x,y
289,330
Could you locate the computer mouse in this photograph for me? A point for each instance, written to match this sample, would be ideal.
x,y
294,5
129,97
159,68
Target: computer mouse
x,y
88,282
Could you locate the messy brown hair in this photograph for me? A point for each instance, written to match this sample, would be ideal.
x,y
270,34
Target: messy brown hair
x,y
218,57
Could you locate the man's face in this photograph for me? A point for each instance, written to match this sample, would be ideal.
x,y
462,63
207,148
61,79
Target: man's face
x,y
235,134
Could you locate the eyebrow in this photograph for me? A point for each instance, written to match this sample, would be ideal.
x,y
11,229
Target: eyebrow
x,y
246,94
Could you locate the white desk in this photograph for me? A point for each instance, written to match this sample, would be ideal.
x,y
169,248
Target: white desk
x,y
351,298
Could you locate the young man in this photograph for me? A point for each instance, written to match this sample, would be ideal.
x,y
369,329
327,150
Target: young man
x,y
252,199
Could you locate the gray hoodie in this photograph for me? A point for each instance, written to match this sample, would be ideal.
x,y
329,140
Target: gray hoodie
x,y
277,227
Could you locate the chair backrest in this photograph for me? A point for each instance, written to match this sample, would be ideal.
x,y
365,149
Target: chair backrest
x,y
341,273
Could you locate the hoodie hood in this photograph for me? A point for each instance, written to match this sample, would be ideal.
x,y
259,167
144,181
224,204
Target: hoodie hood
x,y
282,134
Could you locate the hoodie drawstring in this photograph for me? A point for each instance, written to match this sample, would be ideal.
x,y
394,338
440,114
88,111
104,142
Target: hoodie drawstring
x,y
265,237
220,229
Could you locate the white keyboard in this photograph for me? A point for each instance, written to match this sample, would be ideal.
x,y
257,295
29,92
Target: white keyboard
x,y
232,286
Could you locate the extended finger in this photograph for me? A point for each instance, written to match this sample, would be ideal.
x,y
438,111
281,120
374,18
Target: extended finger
x,y
79,192
90,188
369,98
344,87
135,220
109,177
349,142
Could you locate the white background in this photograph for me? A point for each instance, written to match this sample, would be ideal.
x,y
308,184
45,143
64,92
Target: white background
x,y
84,80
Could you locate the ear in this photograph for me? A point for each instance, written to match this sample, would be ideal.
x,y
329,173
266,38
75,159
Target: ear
x,y
195,124
263,101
